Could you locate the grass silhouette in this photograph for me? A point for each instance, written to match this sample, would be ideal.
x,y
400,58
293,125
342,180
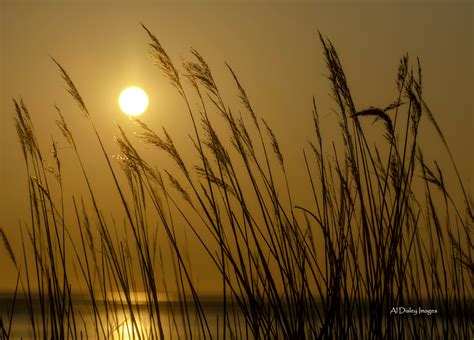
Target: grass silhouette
x,y
333,269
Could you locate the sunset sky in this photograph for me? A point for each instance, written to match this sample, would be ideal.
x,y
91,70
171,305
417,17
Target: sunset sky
x,y
272,46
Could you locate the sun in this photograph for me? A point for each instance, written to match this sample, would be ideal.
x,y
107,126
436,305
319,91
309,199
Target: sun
x,y
133,101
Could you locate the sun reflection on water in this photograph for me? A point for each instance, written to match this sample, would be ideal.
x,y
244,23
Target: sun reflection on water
x,y
129,328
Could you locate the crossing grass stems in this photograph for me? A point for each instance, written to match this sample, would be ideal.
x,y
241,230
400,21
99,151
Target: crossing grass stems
x,y
332,269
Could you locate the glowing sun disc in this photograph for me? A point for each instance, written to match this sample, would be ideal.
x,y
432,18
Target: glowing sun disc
x,y
133,101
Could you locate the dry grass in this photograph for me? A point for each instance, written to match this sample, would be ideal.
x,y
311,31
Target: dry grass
x,y
333,269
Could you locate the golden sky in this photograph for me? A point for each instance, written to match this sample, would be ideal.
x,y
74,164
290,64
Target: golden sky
x,y
272,46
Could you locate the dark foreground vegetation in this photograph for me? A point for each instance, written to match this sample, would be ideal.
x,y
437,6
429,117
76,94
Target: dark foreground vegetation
x,y
384,229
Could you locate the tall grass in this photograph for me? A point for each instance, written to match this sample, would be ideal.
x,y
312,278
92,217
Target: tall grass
x,y
370,241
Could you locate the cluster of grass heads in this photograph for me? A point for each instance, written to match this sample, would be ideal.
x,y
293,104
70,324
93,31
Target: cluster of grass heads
x,y
369,242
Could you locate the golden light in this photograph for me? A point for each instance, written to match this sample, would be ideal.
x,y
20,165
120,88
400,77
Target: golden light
x,y
133,101
129,328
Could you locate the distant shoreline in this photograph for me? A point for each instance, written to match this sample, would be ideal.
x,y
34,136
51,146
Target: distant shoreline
x,y
451,307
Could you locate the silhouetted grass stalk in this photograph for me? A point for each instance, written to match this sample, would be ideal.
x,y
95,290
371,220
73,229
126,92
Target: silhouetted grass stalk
x,y
332,269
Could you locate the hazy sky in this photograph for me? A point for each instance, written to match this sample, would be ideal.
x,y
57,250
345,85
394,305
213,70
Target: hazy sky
x,y
273,47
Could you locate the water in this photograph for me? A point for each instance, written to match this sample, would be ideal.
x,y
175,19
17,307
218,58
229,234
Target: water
x,y
112,320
